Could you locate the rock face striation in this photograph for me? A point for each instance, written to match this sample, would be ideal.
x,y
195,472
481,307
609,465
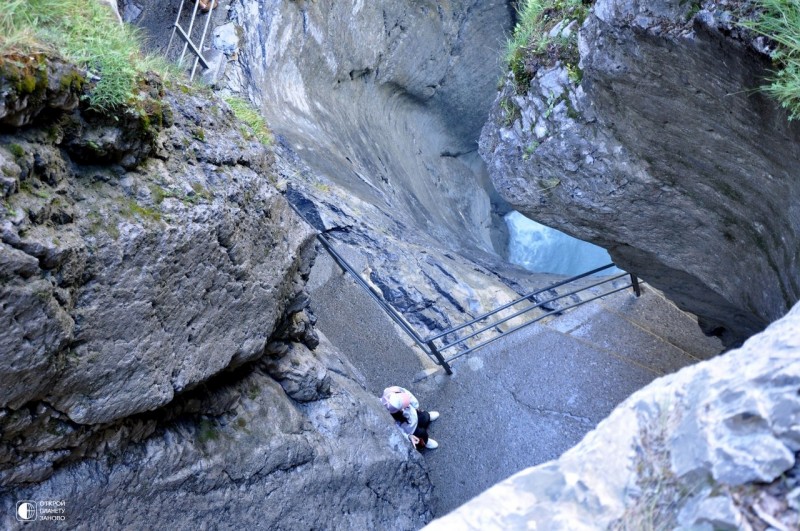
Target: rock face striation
x,y
666,154
153,317
713,446
377,108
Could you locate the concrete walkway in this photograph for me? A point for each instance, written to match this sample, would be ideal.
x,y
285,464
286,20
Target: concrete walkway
x,y
524,399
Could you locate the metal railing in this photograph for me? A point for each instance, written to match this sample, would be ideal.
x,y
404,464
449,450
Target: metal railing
x,y
394,314
435,352
486,325
186,36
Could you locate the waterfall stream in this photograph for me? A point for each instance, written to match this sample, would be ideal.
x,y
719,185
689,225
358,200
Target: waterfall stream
x,y
540,249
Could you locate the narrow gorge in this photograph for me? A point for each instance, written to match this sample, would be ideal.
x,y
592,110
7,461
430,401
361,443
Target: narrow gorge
x,y
179,350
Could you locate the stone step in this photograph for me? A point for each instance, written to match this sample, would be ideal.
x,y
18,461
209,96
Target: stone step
x,y
658,315
606,330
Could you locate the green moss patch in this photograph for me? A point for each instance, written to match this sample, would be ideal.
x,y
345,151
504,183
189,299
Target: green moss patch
x,y
85,32
779,20
531,45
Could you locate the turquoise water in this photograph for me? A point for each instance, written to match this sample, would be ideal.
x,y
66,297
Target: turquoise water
x,y
544,250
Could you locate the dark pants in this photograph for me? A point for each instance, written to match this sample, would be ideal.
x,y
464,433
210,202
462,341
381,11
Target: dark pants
x,y
423,421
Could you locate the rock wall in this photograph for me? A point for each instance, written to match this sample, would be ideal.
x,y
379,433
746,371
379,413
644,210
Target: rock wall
x,y
123,288
377,108
667,155
153,317
385,100
713,446
239,452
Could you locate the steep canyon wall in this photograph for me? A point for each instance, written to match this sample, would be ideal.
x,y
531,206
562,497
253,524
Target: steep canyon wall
x,y
158,361
666,154
377,108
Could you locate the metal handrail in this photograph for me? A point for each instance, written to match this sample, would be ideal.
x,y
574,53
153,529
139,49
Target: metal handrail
x,y
383,304
529,308
428,345
512,303
548,314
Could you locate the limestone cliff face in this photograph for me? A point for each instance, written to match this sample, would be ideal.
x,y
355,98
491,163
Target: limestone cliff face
x,y
667,155
713,446
377,108
152,317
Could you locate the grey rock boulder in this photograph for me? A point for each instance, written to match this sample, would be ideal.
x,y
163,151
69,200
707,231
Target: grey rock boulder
x,y
239,452
658,155
121,289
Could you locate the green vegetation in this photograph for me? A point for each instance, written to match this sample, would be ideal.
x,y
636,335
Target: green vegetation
x,y
780,21
131,209
16,150
694,8
199,193
255,126
208,431
529,149
510,110
531,43
28,187
85,32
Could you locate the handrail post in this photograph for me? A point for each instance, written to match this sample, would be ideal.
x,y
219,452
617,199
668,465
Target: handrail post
x,y
439,357
635,283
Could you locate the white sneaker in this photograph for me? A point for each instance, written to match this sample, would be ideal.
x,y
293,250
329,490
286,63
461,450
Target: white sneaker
x,y
434,415
431,444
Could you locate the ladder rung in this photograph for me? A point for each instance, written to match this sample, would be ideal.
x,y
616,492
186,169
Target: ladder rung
x,y
192,46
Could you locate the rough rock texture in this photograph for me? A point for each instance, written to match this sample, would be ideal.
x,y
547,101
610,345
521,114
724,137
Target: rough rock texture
x,y
239,453
121,289
30,85
153,318
377,110
665,154
713,446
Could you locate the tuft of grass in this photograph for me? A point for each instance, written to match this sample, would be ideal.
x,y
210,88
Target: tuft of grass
x,y
16,150
129,208
779,20
530,40
255,125
85,32
208,431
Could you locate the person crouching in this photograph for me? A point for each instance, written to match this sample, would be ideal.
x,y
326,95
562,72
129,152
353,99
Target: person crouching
x,y
413,421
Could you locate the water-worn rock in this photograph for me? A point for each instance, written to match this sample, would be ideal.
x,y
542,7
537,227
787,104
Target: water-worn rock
x,y
707,448
658,155
137,300
377,109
